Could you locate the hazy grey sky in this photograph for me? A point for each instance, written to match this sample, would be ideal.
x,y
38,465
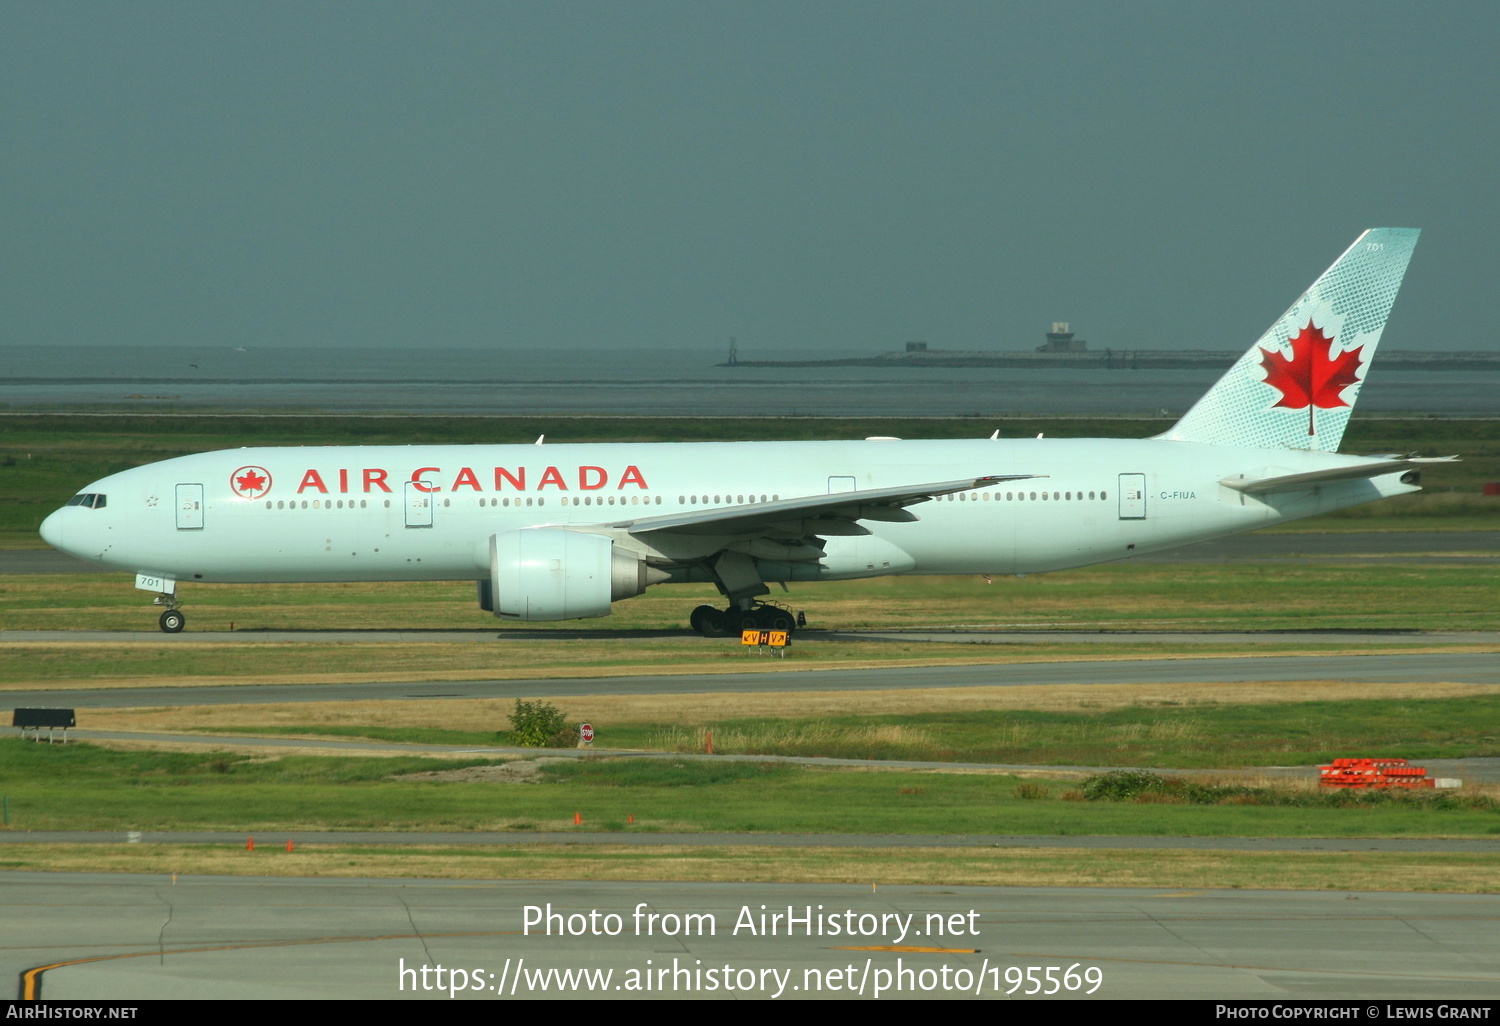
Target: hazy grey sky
x,y
827,175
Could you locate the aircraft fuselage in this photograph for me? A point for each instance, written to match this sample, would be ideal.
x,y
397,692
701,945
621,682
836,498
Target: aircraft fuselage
x,y
413,513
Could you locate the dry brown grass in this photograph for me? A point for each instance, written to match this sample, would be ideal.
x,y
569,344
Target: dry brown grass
x,y
695,710
359,663
792,736
1014,867
147,663
263,752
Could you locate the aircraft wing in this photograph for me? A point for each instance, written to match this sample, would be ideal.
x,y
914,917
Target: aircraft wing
x,y
887,504
1312,478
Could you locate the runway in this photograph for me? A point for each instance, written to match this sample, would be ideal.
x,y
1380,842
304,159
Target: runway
x,y
125,938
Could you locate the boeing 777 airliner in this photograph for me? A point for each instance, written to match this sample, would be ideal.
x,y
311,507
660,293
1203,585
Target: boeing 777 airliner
x,y
559,532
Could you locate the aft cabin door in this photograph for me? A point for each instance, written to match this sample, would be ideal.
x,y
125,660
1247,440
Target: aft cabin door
x,y
418,505
190,507
1132,496
840,483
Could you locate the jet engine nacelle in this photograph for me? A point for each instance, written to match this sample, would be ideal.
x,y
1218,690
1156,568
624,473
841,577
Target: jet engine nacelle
x,y
553,574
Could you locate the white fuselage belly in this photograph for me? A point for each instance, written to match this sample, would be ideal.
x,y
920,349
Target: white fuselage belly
x,y
344,513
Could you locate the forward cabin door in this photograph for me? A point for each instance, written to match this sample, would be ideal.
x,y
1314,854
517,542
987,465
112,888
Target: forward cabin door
x,y
1132,496
418,505
190,507
840,483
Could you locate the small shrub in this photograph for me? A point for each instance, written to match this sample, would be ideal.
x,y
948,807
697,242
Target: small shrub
x,y
541,725
1073,795
1123,785
1031,792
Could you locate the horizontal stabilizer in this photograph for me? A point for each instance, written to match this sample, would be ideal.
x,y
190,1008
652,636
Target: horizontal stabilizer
x,y
1312,478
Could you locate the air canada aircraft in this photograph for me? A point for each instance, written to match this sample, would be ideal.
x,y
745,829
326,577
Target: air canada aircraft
x,y
559,532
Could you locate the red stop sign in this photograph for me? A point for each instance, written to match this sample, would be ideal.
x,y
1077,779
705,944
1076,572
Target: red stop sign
x,y
586,731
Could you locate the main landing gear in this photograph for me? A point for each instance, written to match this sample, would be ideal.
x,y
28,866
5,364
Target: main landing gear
x,y
713,622
739,581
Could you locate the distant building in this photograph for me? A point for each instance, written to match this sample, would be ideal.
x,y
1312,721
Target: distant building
x,y
1061,340
916,347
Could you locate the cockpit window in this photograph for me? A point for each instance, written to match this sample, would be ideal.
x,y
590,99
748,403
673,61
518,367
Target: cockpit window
x,y
93,500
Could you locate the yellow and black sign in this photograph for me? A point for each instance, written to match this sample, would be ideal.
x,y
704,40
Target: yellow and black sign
x,y
774,639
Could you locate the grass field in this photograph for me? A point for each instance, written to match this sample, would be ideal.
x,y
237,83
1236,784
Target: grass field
x,y
46,458
1121,596
485,715
85,787
1180,733
96,665
938,867
1208,736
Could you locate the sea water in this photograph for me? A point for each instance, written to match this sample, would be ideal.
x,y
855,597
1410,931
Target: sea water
x,y
663,382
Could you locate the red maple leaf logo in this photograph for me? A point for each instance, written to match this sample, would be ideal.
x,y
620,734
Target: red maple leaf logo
x,y
1310,377
248,481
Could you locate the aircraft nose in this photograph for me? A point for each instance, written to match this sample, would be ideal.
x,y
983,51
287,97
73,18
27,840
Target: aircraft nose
x,y
52,530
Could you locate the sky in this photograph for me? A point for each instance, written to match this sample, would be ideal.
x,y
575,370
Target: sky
x,y
810,176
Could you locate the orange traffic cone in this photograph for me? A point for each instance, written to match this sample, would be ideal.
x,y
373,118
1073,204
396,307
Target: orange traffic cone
x,y
288,844
250,844
577,819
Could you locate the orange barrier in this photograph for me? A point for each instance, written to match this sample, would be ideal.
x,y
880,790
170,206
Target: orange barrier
x,y
1373,773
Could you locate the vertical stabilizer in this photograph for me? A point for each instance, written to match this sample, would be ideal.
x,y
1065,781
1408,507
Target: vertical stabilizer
x,y
1296,387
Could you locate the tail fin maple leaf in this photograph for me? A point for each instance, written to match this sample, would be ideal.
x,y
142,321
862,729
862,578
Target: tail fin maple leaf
x,y
1351,299
1310,377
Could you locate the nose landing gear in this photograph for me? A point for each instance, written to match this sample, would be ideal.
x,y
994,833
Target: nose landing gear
x,y
171,620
